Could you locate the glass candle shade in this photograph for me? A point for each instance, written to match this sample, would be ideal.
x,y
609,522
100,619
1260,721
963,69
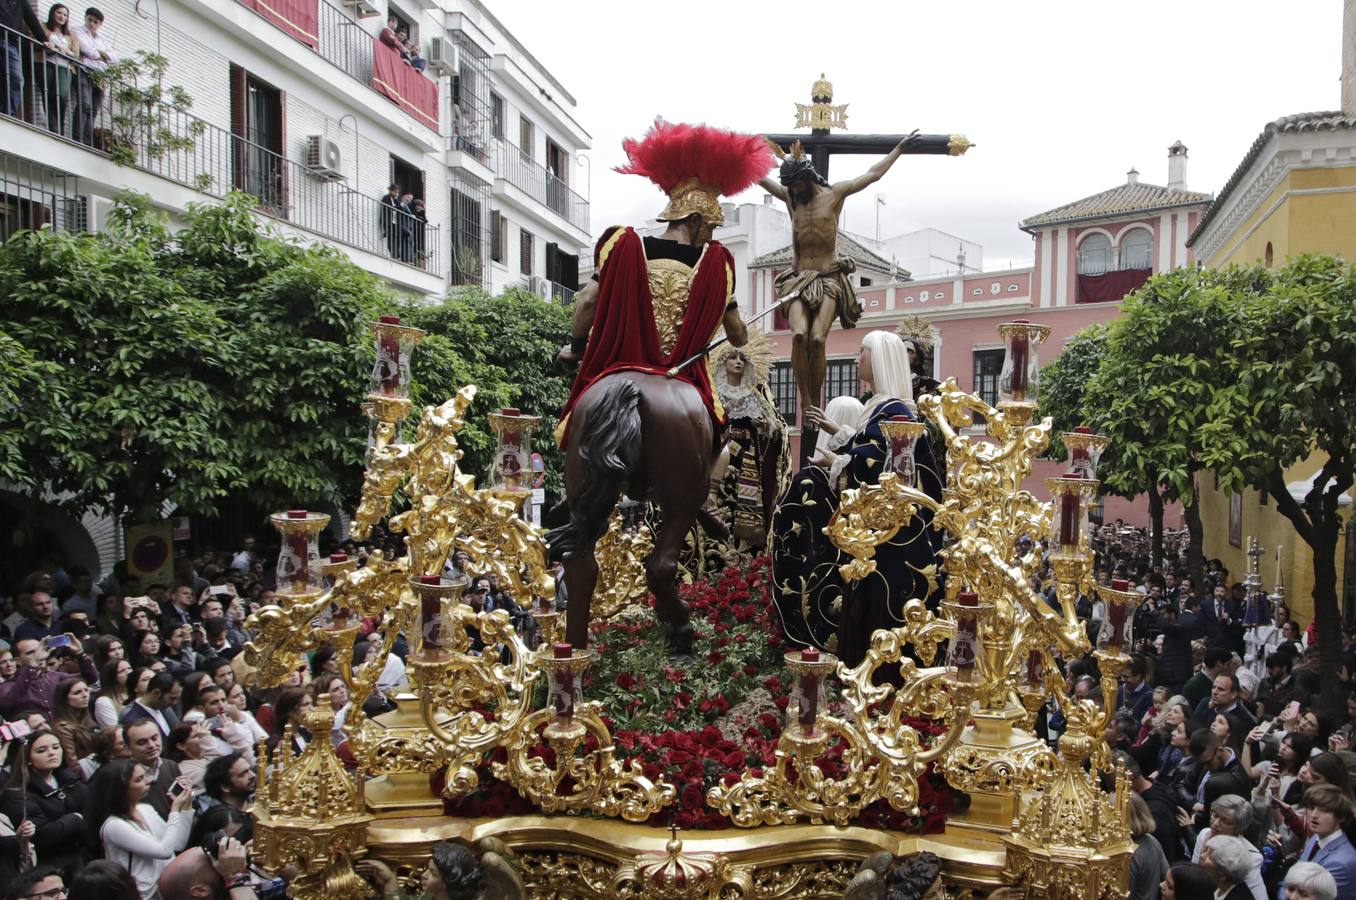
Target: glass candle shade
x,y
299,570
1072,495
435,594
963,654
566,670
391,371
1117,632
332,568
511,471
1018,381
902,434
1258,611
1085,450
1034,669
808,669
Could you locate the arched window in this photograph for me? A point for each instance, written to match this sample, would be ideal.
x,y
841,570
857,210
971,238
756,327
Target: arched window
x,y
1094,254
1137,249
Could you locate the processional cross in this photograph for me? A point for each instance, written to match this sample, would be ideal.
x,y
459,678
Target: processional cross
x,y
819,289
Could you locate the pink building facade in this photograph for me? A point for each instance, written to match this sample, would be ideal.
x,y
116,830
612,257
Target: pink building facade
x,y
1088,255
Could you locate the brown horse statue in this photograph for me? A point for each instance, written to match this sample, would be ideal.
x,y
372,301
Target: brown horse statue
x,y
650,437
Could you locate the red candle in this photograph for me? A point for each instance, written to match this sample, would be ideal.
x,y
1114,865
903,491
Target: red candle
x,y
1033,667
338,557
428,614
809,692
300,546
1068,519
390,320
296,514
388,361
509,411
562,690
1021,351
1116,616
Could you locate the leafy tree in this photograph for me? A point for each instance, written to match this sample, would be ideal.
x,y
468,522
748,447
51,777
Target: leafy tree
x,y
506,346
1292,395
1166,356
1064,397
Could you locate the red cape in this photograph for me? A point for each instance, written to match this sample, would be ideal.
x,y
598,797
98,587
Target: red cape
x,y
624,336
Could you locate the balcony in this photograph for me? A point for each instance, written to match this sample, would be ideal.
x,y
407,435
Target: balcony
x,y
337,37
180,147
33,195
536,181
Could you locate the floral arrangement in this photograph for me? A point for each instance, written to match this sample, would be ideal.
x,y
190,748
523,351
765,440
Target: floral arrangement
x,y
709,721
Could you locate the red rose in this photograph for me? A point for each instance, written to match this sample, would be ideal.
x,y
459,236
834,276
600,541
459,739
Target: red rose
x,y
682,700
626,681
734,760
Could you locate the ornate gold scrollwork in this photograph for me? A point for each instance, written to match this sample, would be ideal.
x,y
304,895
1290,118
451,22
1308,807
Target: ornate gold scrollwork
x,y
621,554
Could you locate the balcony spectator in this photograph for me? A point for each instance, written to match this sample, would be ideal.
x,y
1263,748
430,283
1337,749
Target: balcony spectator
x,y
409,51
388,34
16,15
419,224
65,50
392,219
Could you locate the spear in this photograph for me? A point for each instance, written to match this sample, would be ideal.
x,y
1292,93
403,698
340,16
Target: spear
x,y
673,373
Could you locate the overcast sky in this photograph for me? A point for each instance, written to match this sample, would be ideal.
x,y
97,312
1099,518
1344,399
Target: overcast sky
x,y
1060,98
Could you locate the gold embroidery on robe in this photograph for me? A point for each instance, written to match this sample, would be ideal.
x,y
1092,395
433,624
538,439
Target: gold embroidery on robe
x,y
670,285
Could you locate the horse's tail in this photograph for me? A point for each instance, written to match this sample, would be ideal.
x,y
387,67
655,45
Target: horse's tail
x,y
609,442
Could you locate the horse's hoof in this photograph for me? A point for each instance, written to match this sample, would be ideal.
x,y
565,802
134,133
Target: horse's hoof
x,y
680,641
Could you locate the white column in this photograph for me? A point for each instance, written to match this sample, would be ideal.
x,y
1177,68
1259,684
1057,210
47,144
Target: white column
x,y
1164,242
1062,268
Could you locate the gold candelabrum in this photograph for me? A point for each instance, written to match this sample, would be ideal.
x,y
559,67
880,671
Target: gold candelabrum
x,y
474,679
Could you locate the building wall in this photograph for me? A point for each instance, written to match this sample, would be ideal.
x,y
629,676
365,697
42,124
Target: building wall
x,y
1309,211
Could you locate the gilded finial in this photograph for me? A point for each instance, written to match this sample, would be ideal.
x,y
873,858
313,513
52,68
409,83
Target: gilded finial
x,y
822,91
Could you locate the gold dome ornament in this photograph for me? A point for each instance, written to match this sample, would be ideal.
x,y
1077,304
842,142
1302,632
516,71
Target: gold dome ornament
x,y
676,875
822,90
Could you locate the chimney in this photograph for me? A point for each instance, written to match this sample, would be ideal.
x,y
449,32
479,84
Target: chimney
x,y
1132,177
1177,157
768,199
1349,57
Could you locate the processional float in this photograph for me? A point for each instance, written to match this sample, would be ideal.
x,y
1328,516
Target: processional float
x,y
1037,820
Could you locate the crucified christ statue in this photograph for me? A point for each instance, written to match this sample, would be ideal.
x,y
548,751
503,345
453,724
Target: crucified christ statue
x,y
820,285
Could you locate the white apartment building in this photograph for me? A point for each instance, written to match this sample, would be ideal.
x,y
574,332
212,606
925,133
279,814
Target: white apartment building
x,y
302,104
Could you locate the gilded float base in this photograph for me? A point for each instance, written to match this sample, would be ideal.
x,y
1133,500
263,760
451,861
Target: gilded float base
x,y
575,858
996,762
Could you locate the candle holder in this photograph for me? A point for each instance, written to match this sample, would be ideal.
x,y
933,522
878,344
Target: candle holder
x,y
550,622
511,474
1019,379
1032,692
332,568
965,652
388,397
1073,495
805,707
1258,610
299,571
1117,633
1085,450
902,433
438,632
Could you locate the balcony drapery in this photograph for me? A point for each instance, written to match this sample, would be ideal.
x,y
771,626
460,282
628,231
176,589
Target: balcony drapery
x,y
299,18
1111,285
412,90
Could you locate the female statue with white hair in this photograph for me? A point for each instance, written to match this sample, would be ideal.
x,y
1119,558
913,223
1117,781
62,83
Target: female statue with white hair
x,y
906,566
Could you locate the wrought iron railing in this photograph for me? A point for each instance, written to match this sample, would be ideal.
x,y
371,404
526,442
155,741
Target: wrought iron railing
x,y
562,294
33,195
186,149
535,180
345,43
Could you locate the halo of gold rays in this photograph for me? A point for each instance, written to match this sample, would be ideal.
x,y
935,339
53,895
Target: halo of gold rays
x,y
917,329
758,353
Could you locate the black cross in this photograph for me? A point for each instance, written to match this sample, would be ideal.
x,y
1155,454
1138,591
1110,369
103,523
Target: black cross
x,y
820,144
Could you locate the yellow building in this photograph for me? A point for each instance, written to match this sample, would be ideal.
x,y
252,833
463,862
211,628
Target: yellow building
x,y
1293,193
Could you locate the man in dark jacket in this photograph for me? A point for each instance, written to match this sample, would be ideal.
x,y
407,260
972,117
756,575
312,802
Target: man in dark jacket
x,y
1179,629
15,15
1161,802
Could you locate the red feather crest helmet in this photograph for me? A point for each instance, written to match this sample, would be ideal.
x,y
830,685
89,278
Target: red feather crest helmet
x,y
696,165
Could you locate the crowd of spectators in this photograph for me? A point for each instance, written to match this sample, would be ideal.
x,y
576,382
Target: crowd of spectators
x,y
1243,781
132,727
397,37
404,224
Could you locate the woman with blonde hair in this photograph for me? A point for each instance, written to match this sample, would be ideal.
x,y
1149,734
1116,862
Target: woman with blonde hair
x,y
1149,864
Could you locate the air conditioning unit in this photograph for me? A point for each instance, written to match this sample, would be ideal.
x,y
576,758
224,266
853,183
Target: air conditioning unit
x,y
323,157
444,56
363,9
93,211
539,286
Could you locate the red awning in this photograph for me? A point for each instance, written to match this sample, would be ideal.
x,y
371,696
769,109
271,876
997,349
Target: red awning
x,y
299,18
1111,286
411,89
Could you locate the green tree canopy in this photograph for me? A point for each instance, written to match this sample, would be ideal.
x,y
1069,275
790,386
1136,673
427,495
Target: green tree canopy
x,y
221,363
1292,395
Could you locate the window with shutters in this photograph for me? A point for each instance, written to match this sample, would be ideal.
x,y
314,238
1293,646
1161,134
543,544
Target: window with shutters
x,y
840,380
498,236
497,116
782,382
527,136
988,365
257,128
526,250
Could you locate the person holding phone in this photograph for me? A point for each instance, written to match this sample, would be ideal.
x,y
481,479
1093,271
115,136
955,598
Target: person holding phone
x,y
33,686
131,832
